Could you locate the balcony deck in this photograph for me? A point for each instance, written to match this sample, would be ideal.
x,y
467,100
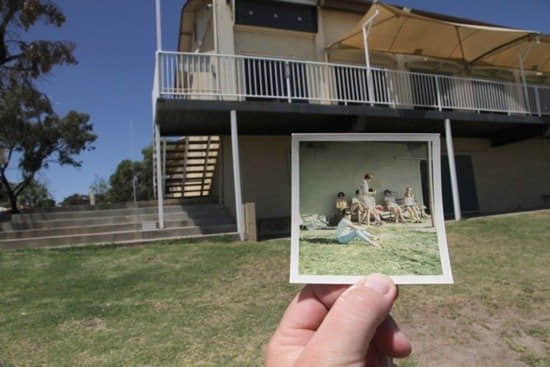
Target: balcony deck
x,y
293,95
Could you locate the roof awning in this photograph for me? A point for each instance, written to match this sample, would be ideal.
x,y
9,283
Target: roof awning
x,y
401,31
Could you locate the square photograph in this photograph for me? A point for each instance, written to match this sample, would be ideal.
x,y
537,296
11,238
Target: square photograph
x,y
365,204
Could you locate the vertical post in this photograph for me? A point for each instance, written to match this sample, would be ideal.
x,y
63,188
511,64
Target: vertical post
x,y
250,220
438,91
431,182
452,169
159,25
366,30
537,100
288,89
220,171
160,188
163,156
239,214
524,82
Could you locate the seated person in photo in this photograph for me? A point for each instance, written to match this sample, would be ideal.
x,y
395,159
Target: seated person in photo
x,y
372,210
341,204
409,203
347,231
357,206
392,207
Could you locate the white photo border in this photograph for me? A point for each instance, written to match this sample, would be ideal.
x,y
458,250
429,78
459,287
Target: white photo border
x,y
434,147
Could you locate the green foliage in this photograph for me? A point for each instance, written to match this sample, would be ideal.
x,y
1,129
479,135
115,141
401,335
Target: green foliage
x,y
121,181
100,188
29,126
21,60
121,188
36,195
75,199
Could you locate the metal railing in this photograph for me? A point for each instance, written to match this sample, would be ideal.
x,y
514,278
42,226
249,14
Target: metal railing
x,y
238,78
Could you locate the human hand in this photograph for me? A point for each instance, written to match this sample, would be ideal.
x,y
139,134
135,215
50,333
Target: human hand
x,y
329,325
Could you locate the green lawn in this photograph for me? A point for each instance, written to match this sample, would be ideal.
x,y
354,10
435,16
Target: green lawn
x,y
216,304
407,249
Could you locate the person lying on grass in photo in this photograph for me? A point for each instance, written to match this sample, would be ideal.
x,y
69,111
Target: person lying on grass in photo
x,y
409,203
392,207
347,231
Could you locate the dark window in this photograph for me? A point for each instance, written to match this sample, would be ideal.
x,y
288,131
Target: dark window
x,y
469,203
275,14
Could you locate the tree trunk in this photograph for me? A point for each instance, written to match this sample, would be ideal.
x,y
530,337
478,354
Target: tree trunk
x,y
13,201
11,194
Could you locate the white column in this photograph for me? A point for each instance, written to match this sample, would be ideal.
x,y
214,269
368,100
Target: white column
x,y
159,25
160,188
239,214
452,169
366,30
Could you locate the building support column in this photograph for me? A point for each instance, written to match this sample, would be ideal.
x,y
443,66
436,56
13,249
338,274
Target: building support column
x,y
452,169
239,214
158,16
366,30
160,180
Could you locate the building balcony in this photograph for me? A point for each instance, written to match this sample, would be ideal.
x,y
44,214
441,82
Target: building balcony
x,y
301,90
243,78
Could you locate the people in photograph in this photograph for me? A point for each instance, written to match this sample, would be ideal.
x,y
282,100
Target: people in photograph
x,y
347,231
365,184
410,205
372,209
341,204
392,206
366,195
357,206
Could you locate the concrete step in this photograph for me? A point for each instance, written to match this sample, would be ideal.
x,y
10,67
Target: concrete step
x,y
126,205
21,218
198,212
116,237
170,222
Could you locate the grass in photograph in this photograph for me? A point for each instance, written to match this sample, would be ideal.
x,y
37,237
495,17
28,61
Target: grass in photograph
x,y
217,303
407,249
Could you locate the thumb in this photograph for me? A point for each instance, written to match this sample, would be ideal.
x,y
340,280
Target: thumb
x,y
346,332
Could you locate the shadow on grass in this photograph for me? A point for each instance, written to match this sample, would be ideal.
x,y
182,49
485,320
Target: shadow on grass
x,y
321,241
113,246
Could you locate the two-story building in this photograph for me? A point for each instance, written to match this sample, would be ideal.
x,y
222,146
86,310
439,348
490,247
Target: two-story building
x,y
248,73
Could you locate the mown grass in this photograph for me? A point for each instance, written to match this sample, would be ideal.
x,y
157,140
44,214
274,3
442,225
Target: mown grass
x,y
217,303
406,250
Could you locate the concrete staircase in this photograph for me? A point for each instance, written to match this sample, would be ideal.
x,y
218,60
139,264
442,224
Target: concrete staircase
x,y
120,224
189,166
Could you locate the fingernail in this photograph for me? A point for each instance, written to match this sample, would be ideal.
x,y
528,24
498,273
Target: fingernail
x,y
378,283
400,335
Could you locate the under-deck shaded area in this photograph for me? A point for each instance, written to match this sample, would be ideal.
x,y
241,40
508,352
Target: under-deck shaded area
x,y
188,117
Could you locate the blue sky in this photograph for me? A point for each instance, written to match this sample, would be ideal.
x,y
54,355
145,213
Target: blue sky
x,y
115,48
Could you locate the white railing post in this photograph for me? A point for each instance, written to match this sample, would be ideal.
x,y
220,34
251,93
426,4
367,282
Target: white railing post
x,y
438,91
288,90
537,100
